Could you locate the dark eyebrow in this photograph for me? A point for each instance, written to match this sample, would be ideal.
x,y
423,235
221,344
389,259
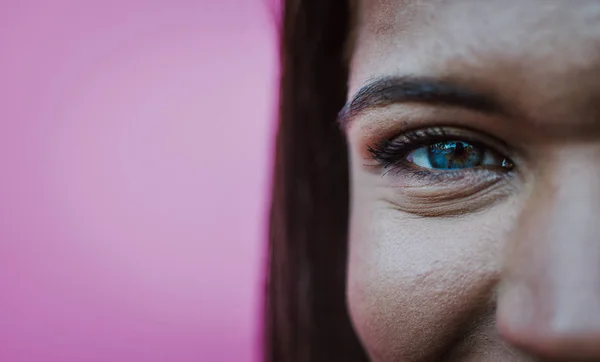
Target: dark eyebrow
x,y
389,90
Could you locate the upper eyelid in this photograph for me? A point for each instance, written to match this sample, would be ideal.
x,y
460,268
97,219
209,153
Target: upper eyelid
x,y
441,133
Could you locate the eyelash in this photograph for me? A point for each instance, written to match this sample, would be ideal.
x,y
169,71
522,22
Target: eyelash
x,y
391,154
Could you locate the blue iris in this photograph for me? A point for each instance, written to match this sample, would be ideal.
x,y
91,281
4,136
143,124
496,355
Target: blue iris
x,y
454,155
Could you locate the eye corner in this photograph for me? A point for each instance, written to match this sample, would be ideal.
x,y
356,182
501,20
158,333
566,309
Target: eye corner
x,y
508,164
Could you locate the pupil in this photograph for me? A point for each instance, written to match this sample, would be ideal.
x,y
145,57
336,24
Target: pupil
x,y
454,155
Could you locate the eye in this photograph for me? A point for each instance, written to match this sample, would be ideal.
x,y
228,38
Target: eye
x,y
453,155
439,149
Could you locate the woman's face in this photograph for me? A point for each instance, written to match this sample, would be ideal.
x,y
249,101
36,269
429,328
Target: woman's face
x,y
474,135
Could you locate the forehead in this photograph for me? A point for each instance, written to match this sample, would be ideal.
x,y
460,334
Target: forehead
x,y
539,51
470,28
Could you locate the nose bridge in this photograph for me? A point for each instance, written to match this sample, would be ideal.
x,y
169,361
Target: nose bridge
x,y
549,301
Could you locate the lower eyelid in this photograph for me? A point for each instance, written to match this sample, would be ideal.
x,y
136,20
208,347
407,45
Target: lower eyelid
x,y
408,175
451,184
438,202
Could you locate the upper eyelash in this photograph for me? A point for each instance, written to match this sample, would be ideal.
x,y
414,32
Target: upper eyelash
x,y
391,151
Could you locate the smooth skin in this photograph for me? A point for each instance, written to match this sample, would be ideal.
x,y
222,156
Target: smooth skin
x,y
491,265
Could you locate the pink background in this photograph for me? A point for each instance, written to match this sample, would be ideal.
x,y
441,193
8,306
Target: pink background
x,y
134,153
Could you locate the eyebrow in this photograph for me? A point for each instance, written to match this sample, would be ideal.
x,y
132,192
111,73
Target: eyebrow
x,y
407,89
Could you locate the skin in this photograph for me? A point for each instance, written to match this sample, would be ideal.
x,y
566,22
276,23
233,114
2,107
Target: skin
x,y
498,266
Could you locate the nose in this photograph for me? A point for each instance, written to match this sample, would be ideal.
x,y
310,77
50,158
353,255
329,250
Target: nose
x,y
549,298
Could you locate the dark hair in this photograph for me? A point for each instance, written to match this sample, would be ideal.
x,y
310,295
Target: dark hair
x,y
306,318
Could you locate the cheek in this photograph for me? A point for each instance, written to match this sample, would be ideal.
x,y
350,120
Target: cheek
x,y
416,284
